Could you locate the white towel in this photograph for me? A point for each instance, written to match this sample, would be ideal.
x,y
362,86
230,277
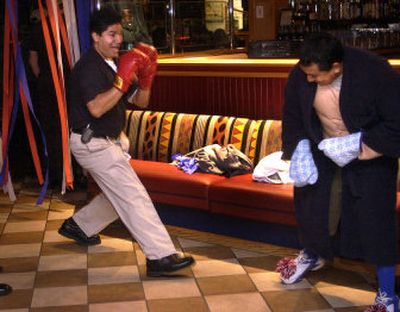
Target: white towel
x,y
272,169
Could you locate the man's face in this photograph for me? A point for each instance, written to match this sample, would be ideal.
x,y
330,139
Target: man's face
x,y
322,77
109,42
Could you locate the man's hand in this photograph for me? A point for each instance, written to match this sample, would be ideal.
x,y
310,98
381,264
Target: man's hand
x,y
342,150
130,65
146,76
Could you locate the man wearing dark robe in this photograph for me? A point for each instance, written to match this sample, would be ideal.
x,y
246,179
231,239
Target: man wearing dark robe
x,y
341,131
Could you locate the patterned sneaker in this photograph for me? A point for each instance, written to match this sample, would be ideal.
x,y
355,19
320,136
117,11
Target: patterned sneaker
x,y
383,303
293,270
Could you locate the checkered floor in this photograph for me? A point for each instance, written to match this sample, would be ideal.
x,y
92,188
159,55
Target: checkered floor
x,y
51,273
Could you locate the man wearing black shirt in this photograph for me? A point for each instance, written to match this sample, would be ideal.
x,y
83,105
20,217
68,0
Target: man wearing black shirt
x,y
97,94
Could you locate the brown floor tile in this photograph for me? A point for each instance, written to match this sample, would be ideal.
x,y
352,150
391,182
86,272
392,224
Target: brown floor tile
x,y
351,309
230,284
213,252
53,225
29,199
61,278
59,296
20,298
295,300
252,301
28,216
57,205
6,207
111,259
176,243
171,288
347,296
77,308
259,264
61,248
27,264
178,305
27,226
21,238
115,292
135,306
356,265
117,229
65,269
330,275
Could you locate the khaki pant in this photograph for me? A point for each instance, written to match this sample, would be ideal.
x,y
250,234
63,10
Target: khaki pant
x,y
123,195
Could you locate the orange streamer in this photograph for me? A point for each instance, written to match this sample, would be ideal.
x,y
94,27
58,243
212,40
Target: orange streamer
x,y
56,72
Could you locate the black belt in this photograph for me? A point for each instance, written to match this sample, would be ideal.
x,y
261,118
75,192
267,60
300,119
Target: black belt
x,y
78,130
82,129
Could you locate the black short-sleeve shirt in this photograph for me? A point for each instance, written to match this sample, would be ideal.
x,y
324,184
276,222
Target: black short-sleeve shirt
x,y
91,76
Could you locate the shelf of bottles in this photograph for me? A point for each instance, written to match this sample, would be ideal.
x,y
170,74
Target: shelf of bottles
x,y
368,24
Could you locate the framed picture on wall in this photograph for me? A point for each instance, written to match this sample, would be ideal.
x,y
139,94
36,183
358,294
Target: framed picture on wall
x,y
215,12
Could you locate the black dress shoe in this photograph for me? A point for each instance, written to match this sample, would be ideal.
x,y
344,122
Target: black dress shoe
x,y
168,264
5,289
71,230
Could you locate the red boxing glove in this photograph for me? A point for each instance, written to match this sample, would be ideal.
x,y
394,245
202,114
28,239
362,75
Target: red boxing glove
x,y
130,64
149,50
146,76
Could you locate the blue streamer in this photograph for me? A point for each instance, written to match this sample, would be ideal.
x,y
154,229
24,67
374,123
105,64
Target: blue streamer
x,y
20,76
83,17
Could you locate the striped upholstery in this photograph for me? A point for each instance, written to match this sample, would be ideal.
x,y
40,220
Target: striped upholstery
x,y
159,135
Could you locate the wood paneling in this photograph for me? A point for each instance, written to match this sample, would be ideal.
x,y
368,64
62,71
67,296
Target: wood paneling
x,y
258,98
251,92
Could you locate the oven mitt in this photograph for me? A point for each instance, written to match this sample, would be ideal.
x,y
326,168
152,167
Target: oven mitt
x,y
342,150
302,168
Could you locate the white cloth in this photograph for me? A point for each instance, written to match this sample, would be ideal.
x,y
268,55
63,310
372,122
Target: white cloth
x,y
272,169
123,195
72,29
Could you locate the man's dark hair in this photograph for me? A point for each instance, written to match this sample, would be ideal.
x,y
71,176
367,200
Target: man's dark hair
x,y
322,49
103,18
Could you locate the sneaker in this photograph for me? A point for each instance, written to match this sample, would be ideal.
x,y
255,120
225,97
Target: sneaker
x,y
71,230
383,303
293,270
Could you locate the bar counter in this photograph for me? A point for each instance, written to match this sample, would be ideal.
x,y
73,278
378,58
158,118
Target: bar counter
x,y
229,84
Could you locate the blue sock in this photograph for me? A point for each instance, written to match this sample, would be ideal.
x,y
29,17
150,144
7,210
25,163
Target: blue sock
x,y
386,279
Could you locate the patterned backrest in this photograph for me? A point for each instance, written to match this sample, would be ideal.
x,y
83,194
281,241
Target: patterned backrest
x,y
159,135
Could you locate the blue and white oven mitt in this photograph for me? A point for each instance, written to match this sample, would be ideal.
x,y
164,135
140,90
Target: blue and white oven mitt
x,y
342,150
302,169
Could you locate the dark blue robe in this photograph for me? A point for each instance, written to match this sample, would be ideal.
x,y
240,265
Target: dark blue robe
x,y
369,102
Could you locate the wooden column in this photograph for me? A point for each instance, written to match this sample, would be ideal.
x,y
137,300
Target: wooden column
x,y
264,18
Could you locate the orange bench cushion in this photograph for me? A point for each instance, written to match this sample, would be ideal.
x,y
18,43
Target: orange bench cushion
x,y
167,184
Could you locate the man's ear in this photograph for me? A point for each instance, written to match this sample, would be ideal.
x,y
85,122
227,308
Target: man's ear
x,y
95,37
337,68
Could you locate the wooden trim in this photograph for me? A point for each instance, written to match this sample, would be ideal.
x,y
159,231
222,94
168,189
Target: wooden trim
x,y
172,73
